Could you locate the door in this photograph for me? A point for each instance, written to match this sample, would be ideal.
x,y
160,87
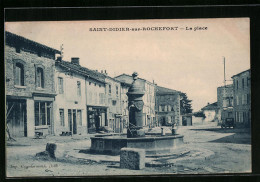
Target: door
x,y
16,119
74,121
70,119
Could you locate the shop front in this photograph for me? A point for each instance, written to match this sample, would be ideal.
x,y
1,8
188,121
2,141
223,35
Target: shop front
x,y
97,118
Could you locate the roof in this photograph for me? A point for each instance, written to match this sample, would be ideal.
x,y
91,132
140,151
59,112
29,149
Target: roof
x,y
106,76
240,73
124,74
163,90
81,70
212,106
14,40
227,86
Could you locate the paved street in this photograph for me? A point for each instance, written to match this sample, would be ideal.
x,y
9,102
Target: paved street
x,y
218,151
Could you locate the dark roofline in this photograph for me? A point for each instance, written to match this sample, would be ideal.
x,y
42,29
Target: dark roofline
x,y
131,77
171,91
111,78
31,42
240,73
229,85
214,105
78,70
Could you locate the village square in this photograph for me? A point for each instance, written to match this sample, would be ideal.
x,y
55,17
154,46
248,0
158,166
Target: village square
x,y
66,119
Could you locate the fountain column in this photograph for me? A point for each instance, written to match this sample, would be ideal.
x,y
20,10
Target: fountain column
x,y
135,106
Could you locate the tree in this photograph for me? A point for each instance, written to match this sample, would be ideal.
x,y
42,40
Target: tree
x,y
185,104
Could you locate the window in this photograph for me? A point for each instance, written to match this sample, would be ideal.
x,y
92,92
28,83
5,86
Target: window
x,y
163,108
39,78
172,109
169,108
90,96
79,118
19,74
95,98
247,81
78,88
62,117
160,108
42,113
237,100
117,90
109,91
243,85
101,98
60,85
114,102
237,84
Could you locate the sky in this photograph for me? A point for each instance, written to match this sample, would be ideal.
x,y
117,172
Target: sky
x,y
182,59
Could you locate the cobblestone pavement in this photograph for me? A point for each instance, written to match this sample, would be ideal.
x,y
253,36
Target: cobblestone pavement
x,y
230,153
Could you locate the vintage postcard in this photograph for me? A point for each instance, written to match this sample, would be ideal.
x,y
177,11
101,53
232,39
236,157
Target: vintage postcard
x,y
128,97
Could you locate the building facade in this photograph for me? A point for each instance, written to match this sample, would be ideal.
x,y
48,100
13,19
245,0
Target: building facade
x,y
148,98
113,100
225,102
167,106
242,98
30,90
96,101
70,103
211,112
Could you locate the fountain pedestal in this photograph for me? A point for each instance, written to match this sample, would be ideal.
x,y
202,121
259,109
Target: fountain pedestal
x,y
135,105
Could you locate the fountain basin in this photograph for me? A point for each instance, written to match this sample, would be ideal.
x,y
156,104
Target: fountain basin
x,y
153,144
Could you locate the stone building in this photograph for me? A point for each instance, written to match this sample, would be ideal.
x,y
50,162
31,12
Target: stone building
x,y
167,106
211,112
242,98
225,102
30,90
148,98
70,102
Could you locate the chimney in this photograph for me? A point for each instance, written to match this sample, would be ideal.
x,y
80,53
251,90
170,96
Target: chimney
x,y
102,71
75,60
105,72
59,58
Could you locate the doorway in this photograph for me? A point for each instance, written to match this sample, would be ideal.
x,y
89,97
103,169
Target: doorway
x,y
16,118
72,119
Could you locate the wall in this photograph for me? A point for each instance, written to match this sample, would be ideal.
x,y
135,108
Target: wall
x,y
30,61
69,100
210,115
93,91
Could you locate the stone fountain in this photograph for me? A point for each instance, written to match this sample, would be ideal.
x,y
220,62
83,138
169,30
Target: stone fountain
x,y
136,136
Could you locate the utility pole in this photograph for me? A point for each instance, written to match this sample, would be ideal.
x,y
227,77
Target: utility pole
x,y
224,72
61,51
224,90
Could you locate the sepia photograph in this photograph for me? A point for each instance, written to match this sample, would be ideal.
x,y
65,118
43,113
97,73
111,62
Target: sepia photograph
x,y
128,97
